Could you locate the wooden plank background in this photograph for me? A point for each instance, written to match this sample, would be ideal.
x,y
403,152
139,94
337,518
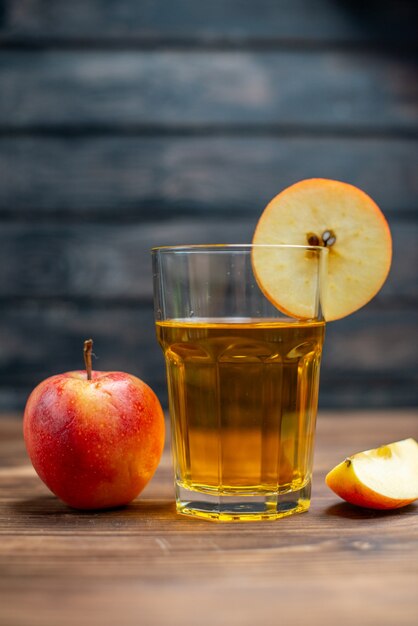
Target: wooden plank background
x,y
126,125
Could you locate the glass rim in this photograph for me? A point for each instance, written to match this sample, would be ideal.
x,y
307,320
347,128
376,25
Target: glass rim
x,y
234,246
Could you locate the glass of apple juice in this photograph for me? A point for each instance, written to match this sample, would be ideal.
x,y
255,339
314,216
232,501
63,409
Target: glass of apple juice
x,y
242,378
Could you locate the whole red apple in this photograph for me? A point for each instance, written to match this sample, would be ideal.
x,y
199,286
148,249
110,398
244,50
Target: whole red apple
x,y
94,438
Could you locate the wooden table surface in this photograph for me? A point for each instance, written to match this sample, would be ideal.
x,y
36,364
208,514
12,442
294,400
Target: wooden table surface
x,y
143,564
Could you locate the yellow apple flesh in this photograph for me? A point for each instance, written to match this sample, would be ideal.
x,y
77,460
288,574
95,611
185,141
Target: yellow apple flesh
x,y
382,478
338,216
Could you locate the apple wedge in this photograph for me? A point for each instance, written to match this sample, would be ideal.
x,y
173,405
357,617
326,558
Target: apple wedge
x,y
329,213
382,478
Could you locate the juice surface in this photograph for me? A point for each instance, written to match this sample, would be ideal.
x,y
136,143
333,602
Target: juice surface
x,y
243,398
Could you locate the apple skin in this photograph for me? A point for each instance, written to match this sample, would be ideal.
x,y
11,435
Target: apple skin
x,y
94,443
344,481
382,478
316,205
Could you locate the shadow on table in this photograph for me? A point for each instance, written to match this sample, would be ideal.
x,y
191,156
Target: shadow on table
x,y
49,506
48,510
349,511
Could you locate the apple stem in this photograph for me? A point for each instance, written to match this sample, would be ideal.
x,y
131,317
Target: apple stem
x,y
88,347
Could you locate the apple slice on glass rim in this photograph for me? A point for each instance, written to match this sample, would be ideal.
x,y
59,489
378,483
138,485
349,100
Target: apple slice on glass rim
x,y
329,213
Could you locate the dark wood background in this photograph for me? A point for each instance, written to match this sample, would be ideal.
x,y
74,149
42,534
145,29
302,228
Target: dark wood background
x,y
129,124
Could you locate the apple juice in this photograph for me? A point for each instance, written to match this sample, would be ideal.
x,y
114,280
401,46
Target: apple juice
x,y
243,399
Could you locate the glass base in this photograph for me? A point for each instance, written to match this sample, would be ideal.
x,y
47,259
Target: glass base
x,y
242,508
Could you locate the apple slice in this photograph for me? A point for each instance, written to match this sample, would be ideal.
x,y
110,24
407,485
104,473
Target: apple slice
x,y
327,213
383,478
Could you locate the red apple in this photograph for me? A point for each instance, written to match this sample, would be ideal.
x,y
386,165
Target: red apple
x,y
94,438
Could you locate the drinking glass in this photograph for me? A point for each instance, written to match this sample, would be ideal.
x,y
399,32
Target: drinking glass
x,y
242,379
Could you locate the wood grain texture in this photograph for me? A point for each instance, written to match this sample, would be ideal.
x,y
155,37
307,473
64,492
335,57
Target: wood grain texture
x,y
369,358
109,261
296,88
128,124
149,177
235,21
144,564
